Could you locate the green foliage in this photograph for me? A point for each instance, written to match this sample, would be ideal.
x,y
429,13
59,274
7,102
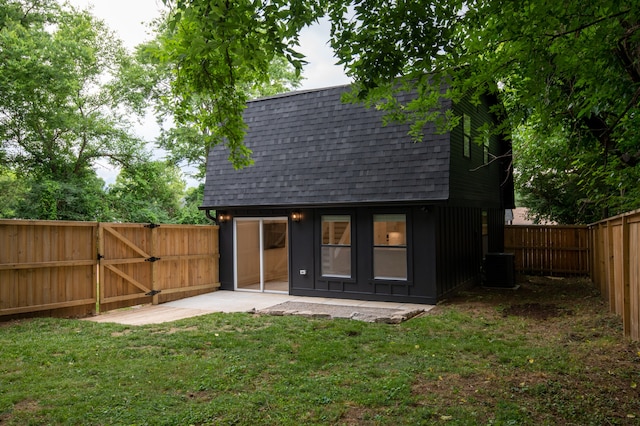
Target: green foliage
x,y
68,94
61,110
190,212
12,190
562,68
213,65
149,191
80,198
571,183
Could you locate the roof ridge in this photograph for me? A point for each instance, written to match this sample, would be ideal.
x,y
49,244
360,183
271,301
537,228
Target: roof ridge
x,y
298,92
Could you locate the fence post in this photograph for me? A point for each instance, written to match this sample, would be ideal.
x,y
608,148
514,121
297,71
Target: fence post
x,y
610,278
154,270
626,314
99,266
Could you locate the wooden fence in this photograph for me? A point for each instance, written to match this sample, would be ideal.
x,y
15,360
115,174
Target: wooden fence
x,y
549,250
79,268
47,266
615,259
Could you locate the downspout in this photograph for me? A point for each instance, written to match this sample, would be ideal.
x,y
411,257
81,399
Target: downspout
x,y
207,212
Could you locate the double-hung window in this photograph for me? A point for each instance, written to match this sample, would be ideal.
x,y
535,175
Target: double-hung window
x,y
390,246
336,246
466,139
485,148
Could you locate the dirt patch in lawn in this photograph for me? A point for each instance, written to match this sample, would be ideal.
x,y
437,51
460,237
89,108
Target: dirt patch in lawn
x,y
584,364
536,310
25,407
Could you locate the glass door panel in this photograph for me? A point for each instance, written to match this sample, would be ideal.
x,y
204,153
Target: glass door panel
x,y
248,254
262,254
275,255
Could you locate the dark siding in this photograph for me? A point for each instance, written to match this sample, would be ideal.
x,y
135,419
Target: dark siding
x,y
459,248
444,252
496,230
226,255
424,254
506,177
302,253
420,286
473,183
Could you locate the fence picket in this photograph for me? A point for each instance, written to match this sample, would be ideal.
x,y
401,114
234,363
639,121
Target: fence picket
x,y
549,250
617,266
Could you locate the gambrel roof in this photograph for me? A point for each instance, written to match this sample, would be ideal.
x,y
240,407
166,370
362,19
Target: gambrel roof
x,y
311,149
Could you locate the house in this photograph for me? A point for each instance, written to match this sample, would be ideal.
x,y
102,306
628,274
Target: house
x,y
338,205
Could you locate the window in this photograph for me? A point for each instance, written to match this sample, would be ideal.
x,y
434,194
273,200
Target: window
x,y
274,234
485,146
336,246
390,246
466,127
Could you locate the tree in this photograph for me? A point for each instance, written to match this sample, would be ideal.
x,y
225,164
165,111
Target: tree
x,y
194,113
62,106
570,183
562,68
149,191
211,58
79,198
190,212
12,190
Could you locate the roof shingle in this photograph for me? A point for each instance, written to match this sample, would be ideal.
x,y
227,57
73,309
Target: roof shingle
x,y
310,149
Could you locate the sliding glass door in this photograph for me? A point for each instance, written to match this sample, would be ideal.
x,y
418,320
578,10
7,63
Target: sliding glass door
x,y
262,254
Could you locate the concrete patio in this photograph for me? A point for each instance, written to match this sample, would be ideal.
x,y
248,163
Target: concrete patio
x,y
255,302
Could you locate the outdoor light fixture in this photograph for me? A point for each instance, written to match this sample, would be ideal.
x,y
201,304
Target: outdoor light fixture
x,y
222,218
296,216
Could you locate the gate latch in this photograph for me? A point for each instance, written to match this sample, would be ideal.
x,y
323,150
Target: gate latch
x,y
152,292
152,259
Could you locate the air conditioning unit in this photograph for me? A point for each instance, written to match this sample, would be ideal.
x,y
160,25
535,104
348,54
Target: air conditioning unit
x,y
499,270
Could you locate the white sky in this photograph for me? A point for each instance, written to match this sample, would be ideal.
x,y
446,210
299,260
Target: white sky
x,y
129,19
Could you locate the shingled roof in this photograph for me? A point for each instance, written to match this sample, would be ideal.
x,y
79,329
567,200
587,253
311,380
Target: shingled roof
x,y
310,149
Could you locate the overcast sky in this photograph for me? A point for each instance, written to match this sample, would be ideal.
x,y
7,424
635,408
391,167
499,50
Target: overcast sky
x,y
129,19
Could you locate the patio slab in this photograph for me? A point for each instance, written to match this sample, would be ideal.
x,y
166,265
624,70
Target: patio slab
x,y
255,302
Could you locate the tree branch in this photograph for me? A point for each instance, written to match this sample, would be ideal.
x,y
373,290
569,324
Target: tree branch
x,y
587,25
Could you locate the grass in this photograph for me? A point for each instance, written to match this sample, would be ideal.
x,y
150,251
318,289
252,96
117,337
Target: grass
x,y
550,353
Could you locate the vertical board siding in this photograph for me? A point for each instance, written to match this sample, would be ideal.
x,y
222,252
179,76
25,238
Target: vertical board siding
x,y
616,267
549,250
53,267
457,238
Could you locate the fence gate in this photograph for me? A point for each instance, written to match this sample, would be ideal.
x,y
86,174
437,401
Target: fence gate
x,y
126,263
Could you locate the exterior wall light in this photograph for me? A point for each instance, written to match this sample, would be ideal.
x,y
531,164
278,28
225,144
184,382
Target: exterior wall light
x,y
296,216
222,218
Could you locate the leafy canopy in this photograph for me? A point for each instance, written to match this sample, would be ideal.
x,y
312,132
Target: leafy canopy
x,y
62,108
561,68
216,55
66,103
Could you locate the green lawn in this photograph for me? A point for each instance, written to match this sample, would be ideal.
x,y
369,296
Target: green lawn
x,y
549,353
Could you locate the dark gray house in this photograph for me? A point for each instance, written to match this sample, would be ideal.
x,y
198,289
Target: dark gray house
x,y
338,205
